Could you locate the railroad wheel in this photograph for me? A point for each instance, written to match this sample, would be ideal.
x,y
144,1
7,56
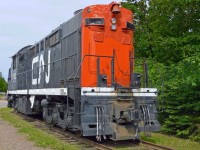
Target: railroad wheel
x,y
64,127
79,133
50,125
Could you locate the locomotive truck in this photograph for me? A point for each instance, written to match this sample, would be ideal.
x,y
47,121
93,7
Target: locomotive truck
x,y
81,77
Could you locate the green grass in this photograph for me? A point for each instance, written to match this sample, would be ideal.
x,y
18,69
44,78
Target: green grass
x,y
43,139
172,142
1,96
39,137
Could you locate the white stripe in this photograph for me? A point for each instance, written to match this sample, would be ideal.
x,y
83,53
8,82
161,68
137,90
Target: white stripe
x,y
49,91
148,90
104,91
99,89
18,92
89,91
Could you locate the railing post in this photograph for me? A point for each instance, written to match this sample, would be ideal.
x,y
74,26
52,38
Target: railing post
x,y
112,72
98,71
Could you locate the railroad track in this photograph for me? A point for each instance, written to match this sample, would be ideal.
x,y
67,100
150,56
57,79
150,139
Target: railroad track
x,y
90,144
65,136
154,146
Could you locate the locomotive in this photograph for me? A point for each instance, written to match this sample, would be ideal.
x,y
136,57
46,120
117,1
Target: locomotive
x,y
81,77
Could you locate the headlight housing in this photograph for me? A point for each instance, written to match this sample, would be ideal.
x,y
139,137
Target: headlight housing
x,y
113,27
113,20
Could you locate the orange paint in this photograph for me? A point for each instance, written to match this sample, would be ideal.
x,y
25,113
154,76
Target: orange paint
x,y
100,40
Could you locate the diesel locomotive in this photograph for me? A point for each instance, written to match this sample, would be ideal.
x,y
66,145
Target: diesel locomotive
x,y
81,77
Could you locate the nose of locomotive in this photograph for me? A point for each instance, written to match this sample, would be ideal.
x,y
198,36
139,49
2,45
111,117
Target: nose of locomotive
x,y
134,114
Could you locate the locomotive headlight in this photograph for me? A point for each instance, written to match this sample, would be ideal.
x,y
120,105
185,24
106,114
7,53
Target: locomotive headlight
x,y
113,27
113,20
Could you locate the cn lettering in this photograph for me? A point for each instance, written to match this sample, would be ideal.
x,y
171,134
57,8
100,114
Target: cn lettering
x,y
40,60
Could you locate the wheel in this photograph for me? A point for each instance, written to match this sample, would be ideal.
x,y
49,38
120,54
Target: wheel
x,y
9,104
79,133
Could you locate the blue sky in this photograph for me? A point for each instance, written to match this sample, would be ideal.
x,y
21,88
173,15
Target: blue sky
x,y
23,22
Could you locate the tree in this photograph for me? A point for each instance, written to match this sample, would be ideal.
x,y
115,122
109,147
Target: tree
x,y
174,29
3,85
142,33
182,105
168,33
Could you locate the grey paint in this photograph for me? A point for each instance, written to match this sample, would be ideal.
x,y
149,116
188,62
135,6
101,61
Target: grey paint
x,y
65,59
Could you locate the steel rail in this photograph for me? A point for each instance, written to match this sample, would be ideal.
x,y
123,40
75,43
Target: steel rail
x,y
70,137
154,146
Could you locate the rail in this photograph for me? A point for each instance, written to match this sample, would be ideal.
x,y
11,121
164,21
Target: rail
x,y
89,56
30,72
88,143
154,146
24,76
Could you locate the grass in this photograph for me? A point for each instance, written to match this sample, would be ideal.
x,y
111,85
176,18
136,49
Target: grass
x,y
172,142
1,96
45,140
39,137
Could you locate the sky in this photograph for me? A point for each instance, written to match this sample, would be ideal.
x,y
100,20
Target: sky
x,y
24,22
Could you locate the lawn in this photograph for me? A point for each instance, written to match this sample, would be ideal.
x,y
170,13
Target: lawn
x,y
1,96
39,137
43,139
172,142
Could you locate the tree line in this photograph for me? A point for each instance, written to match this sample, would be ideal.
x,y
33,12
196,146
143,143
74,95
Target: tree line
x,y
3,85
167,33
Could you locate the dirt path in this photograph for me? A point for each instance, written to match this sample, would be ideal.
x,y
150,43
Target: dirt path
x,y
3,103
11,140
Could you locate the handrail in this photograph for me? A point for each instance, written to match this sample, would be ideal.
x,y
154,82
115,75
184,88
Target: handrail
x,y
46,65
53,62
87,56
145,70
75,72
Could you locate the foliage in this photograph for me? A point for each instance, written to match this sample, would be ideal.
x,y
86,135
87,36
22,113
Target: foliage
x,y
168,34
174,27
141,35
3,85
181,107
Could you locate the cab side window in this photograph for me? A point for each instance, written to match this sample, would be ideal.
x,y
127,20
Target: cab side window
x,y
14,62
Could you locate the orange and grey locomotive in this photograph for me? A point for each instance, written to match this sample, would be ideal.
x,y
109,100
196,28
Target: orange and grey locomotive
x,y
81,77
